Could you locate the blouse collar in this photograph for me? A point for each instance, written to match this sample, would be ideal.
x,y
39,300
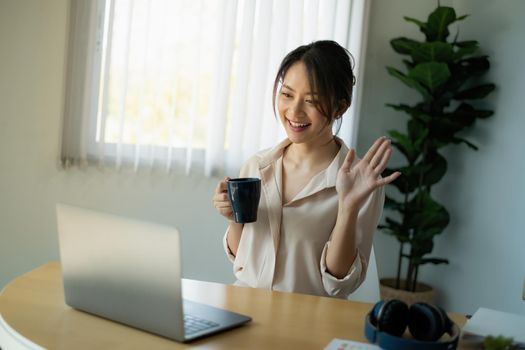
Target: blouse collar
x,y
324,179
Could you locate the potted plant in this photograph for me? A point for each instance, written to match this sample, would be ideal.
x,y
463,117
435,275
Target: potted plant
x,y
445,73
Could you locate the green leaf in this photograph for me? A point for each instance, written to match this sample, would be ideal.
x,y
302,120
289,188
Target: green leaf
x,y
392,223
408,64
465,115
464,51
392,204
426,172
483,113
404,108
442,130
415,112
466,43
435,51
431,74
476,92
395,229
422,25
464,70
438,169
412,176
421,245
460,18
404,46
407,182
465,48
445,127
435,261
458,140
418,132
474,65
412,83
438,22
404,144
498,343
429,218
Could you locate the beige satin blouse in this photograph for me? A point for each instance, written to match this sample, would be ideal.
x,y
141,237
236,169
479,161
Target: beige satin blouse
x,y
285,250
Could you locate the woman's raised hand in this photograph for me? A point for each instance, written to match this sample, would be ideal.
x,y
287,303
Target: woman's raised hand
x,y
220,200
355,182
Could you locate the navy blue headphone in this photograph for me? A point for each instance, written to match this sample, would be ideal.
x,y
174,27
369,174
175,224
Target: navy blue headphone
x,y
387,321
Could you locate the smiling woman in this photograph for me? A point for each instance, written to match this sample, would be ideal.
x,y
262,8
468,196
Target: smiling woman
x,y
185,84
320,205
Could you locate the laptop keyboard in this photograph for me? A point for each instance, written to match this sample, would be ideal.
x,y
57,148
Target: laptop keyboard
x,y
194,324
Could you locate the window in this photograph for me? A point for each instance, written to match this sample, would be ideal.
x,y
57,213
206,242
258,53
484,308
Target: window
x,y
186,84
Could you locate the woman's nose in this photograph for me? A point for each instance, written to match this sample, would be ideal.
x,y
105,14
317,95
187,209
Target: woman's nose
x,y
296,108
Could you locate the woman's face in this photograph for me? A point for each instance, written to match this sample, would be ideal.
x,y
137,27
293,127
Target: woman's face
x,y
296,105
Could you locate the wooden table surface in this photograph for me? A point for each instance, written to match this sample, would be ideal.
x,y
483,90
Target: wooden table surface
x,y
33,305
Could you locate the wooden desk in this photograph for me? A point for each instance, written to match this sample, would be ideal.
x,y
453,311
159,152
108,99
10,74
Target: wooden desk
x,y
33,305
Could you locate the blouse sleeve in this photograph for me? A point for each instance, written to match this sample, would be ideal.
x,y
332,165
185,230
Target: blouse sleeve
x,y
227,250
367,221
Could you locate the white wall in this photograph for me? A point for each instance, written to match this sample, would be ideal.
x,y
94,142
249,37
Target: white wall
x,y
484,241
483,191
32,49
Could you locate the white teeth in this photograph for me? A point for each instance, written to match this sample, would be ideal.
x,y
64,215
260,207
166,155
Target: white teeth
x,y
297,125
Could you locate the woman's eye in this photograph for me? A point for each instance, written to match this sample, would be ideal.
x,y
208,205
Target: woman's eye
x,y
285,94
312,102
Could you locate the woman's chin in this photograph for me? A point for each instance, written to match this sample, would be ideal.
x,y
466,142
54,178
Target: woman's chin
x,y
292,136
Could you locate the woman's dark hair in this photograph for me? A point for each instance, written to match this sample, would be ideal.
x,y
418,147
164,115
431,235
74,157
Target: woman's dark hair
x,y
329,67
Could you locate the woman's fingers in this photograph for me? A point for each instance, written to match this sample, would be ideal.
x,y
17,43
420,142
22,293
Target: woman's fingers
x,y
349,159
378,168
222,186
380,153
224,208
221,197
226,212
390,178
221,203
372,151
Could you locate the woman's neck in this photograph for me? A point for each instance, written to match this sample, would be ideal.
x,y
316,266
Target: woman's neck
x,y
308,155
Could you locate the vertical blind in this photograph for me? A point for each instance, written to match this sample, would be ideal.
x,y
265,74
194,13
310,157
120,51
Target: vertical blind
x,y
186,85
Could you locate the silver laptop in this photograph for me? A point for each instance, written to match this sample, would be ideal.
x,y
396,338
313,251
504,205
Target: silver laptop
x,y
130,271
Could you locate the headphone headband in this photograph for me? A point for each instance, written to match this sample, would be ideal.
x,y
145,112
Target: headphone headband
x,y
391,342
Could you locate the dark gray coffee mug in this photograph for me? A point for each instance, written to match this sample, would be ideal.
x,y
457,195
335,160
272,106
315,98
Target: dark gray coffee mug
x,y
244,194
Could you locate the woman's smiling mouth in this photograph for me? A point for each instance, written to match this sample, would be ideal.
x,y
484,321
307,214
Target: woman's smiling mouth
x,y
297,126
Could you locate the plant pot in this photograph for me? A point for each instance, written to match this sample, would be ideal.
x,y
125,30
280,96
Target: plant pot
x,y
423,293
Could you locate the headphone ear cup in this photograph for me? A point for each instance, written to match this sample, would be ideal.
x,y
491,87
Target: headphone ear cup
x,y
392,317
427,322
375,312
448,322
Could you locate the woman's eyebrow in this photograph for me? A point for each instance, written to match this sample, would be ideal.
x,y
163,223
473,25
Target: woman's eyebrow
x,y
289,88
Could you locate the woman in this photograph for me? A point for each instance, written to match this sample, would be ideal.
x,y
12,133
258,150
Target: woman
x,y
319,205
